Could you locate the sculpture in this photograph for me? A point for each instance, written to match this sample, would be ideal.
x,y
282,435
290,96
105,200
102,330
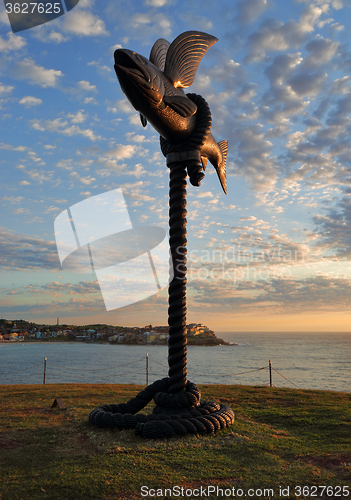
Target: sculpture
x,y
154,88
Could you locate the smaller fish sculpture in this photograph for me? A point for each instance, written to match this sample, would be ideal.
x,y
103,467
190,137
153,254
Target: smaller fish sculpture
x,y
154,87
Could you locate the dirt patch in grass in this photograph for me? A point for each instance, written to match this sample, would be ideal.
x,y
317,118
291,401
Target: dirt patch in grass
x,y
330,461
122,496
216,481
76,445
9,444
42,410
33,410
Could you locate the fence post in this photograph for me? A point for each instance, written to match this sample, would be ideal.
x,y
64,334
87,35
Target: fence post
x,y
44,369
270,374
147,368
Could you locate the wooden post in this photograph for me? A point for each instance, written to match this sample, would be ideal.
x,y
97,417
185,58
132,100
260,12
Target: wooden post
x,y
270,374
44,369
147,368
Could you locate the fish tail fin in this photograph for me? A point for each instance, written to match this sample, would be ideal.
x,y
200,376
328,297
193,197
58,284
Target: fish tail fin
x,y
222,167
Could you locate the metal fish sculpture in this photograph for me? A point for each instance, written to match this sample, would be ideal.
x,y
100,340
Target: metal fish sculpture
x,y
154,87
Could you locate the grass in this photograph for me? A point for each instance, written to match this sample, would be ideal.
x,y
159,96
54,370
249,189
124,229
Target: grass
x,y
281,437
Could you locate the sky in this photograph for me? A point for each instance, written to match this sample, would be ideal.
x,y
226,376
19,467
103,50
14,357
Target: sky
x,y
272,255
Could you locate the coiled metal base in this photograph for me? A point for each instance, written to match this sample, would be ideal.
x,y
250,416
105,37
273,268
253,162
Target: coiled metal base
x,y
175,414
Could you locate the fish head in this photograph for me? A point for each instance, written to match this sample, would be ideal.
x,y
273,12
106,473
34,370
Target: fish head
x,y
140,80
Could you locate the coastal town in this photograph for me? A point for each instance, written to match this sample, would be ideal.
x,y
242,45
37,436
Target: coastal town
x,y
25,331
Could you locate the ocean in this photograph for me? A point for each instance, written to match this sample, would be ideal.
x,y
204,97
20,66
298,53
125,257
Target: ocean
x,y
300,360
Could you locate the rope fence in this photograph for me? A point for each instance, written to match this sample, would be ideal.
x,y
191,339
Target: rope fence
x,y
55,373
99,369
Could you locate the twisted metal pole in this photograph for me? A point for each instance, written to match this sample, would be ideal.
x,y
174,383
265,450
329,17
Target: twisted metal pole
x,y
182,160
177,351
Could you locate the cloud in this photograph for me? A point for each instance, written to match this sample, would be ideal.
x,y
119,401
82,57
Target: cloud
x,y
62,126
307,84
21,252
80,288
79,117
56,37
310,16
138,171
90,100
21,211
13,148
111,160
67,308
131,136
291,82
45,33
334,228
227,73
36,75
156,3
84,23
150,24
38,176
86,86
205,194
5,89
250,10
336,4
317,154
115,47
273,35
30,101
135,195
13,42
341,85
84,180
250,218
318,293
100,67
201,22
122,152
13,199
24,252
321,51
254,161
80,21
282,67
124,106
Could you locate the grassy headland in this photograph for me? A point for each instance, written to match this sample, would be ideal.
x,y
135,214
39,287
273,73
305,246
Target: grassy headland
x,y
281,438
